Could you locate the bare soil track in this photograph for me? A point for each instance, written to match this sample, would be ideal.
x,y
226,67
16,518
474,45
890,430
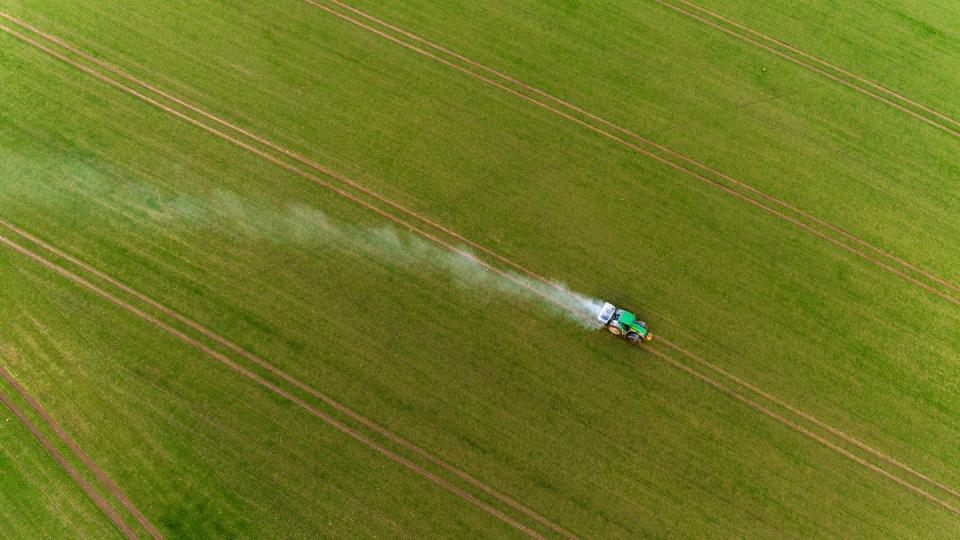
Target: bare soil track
x,y
383,450
273,159
813,419
768,43
369,423
80,453
87,488
433,238
260,139
904,272
406,225
800,429
222,358
568,108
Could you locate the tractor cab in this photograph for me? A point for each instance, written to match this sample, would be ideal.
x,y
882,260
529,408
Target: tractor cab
x,y
624,323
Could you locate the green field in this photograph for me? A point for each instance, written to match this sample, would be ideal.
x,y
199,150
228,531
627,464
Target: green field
x,y
246,353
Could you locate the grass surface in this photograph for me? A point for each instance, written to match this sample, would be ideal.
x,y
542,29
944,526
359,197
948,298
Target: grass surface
x,y
603,439
907,46
202,451
782,128
39,499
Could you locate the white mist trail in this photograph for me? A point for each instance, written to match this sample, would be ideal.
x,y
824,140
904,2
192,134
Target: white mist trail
x,y
300,225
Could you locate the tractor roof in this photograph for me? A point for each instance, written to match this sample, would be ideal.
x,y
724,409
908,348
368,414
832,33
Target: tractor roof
x,y
630,321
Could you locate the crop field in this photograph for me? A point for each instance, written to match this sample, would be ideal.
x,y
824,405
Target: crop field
x,y
330,268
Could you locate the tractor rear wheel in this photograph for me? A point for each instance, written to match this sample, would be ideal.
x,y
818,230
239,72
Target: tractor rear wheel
x,y
615,330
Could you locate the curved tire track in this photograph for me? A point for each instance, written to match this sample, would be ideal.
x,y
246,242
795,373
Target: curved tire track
x,y
321,183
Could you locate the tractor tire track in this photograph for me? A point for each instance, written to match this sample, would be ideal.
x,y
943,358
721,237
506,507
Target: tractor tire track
x,y
447,245
273,159
810,418
372,425
800,429
90,491
403,461
80,453
258,138
823,62
336,190
226,361
423,219
810,67
609,124
772,211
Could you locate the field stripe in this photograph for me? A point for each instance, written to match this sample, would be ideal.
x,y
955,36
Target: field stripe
x,y
84,457
800,429
633,135
625,131
848,84
455,249
290,379
334,174
324,184
680,168
360,437
814,58
201,347
810,418
258,138
291,168
91,492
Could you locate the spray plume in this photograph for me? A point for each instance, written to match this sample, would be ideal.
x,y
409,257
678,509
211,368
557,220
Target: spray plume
x,y
304,226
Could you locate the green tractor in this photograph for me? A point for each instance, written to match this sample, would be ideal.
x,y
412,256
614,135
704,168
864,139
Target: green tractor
x,y
623,323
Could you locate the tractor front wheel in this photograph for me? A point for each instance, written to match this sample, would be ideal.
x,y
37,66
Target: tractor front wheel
x,y
633,337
